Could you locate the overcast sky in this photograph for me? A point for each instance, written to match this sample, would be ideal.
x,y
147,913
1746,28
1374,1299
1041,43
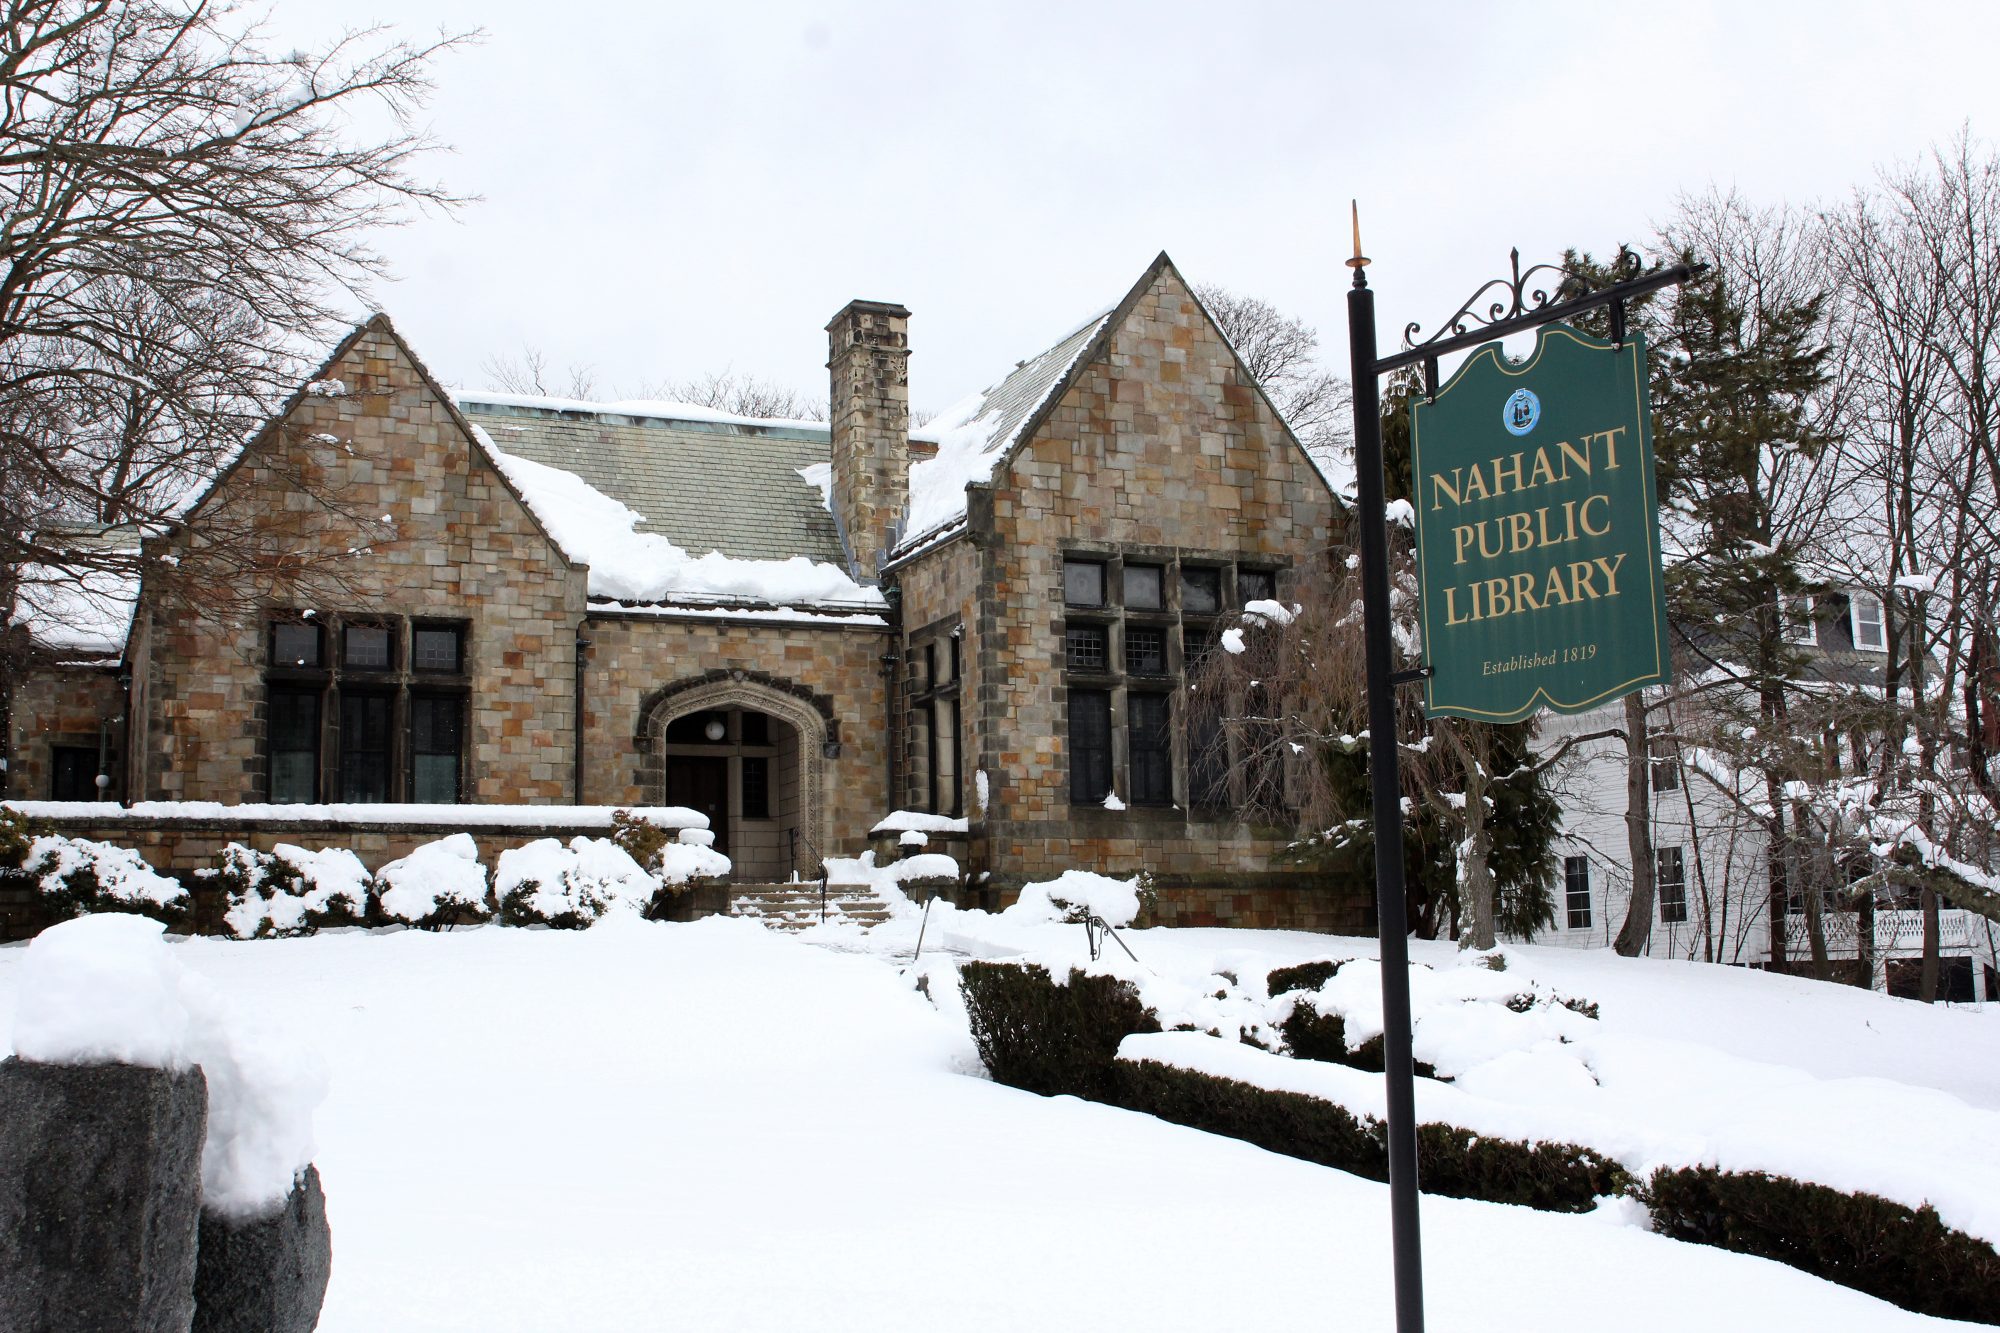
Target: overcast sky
x,y
669,188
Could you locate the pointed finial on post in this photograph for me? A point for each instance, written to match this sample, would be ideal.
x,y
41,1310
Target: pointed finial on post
x,y
1360,261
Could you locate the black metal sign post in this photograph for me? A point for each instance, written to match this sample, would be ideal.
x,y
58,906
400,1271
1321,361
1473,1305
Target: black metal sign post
x,y
1468,328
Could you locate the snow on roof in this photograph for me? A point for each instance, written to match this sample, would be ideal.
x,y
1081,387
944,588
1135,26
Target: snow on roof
x,y
627,565
76,614
975,433
663,409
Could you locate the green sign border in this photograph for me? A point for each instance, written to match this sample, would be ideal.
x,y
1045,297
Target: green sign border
x,y
1659,670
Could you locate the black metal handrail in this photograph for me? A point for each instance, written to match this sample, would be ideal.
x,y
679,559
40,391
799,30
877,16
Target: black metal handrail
x,y
1095,928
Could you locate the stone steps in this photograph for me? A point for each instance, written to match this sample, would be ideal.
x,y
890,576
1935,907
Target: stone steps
x,y
797,906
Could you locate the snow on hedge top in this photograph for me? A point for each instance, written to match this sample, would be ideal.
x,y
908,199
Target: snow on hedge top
x,y
102,989
629,565
588,876
975,433
76,613
326,876
1071,894
435,876
120,872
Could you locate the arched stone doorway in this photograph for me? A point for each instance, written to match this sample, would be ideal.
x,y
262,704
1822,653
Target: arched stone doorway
x,y
751,758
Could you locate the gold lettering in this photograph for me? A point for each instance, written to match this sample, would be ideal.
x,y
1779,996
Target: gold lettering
x,y
1524,593
1555,592
1541,474
1503,468
1610,568
1451,616
1498,602
1522,538
1461,537
1583,516
1581,457
1610,438
1439,486
1580,572
1475,487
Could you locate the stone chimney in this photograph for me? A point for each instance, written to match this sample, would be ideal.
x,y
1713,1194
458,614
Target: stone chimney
x,y
868,350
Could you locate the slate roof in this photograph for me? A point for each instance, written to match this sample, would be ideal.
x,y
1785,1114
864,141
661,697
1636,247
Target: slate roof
x,y
976,433
731,486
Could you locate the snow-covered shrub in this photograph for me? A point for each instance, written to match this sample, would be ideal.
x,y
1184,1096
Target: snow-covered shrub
x,y
926,871
568,888
1462,1015
440,884
1048,1037
690,860
76,876
1076,894
1555,1177
638,837
676,862
1301,976
291,891
1903,1255
1312,1035
15,835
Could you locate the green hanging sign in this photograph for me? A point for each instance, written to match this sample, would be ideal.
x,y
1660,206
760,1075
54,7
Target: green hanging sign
x,y
1538,535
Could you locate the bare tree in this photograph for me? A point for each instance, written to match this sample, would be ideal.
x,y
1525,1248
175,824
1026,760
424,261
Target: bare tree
x,y
1917,259
1282,353
182,212
740,394
532,374
1276,722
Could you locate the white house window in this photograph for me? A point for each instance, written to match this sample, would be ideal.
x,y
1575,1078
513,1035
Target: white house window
x,y
1576,891
1795,619
1672,883
1666,765
1869,632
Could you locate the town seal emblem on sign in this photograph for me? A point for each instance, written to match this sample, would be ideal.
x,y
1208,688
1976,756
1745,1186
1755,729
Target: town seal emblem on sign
x,y
1522,411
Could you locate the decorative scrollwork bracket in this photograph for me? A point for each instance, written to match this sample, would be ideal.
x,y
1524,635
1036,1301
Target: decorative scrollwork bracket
x,y
1526,299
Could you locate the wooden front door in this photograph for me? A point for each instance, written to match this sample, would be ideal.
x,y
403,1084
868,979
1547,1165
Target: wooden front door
x,y
702,784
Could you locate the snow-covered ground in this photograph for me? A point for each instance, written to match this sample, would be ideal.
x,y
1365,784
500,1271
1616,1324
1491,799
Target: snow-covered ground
x,y
709,1126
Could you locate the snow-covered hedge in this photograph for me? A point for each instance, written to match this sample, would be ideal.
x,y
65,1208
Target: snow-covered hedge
x,y
76,877
675,862
438,885
690,860
1903,1255
1331,1010
569,888
1077,894
1046,1036
1457,1162
1098,1036
291,891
